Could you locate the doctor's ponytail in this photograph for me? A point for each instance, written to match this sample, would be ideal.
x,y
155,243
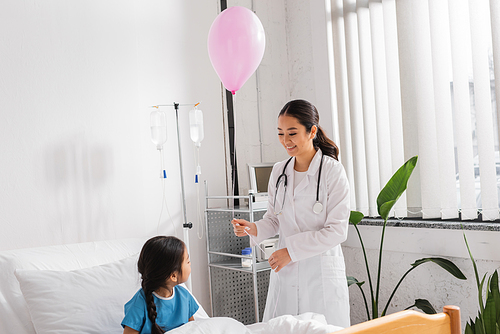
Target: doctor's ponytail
x,y
307,115
326,145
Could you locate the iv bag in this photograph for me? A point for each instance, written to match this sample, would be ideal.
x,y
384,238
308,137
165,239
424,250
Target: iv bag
x,y
158,128
196,126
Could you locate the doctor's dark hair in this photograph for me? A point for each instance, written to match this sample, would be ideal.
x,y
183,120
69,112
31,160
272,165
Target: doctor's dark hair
x,y
307,115
160,257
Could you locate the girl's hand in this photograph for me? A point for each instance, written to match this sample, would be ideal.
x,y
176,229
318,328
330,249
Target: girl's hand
x,y
279,259
241,225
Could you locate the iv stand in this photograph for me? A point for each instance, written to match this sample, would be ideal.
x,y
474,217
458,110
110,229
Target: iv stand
x,y
186,225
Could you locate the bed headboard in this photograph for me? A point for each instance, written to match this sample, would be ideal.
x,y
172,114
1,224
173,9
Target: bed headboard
x,y
411,322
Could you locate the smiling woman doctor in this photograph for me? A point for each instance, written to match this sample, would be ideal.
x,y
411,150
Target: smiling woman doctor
x,y
309,208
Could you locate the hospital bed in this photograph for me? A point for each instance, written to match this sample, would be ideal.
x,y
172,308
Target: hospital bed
x,y
82,287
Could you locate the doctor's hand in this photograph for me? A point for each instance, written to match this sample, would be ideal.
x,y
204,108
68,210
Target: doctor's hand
x,y
240,225
279,259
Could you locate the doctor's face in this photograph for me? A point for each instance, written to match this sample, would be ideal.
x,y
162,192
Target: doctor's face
x,y
294,136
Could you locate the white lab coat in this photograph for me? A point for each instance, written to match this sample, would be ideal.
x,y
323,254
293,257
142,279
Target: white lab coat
x,y
315,279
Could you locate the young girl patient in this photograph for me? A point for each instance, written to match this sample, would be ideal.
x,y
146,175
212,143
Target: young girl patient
x,y
161,304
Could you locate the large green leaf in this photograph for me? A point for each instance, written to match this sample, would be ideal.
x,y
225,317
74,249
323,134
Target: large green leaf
x,y
424,305
394,188
479,285
468,329
443,263
490,315
352,280
355,217
473,325
495,292
479,328
480,294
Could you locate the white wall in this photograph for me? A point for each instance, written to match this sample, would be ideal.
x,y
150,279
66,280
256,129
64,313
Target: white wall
x,y
76,80
295,66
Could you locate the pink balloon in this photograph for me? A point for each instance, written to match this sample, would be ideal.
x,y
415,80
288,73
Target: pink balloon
x,y
236,43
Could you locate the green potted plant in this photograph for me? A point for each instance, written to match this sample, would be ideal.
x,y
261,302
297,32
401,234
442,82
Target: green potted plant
x,y
488,317
386,199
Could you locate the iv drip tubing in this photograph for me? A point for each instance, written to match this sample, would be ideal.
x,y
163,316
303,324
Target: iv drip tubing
x,y
161,164
199,228
164,202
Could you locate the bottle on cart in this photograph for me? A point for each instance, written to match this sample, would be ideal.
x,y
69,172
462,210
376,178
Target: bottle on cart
x,y
247,263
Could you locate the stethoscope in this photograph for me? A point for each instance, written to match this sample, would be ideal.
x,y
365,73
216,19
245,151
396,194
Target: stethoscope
x,y
282,179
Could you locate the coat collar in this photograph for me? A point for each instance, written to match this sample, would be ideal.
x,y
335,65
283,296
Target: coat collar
x,y
313,166
315,163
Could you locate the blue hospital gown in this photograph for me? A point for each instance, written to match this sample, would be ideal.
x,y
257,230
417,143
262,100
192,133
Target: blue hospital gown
x,y
172,312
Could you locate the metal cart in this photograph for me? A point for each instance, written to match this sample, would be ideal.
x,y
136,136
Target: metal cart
x,y
235,291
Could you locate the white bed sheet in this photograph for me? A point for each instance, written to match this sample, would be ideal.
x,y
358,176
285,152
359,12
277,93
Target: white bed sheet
x,y
307,323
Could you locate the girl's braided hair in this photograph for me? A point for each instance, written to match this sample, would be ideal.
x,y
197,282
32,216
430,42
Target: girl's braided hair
x,y
160,257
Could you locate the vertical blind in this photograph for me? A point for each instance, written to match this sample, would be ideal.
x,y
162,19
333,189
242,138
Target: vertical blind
x,y
417,77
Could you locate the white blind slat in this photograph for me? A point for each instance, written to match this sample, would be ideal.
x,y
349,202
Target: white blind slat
x,y
408,99
480,34
495,38
355,105
368,104
459,54
424,109
440,40
394,95
380,87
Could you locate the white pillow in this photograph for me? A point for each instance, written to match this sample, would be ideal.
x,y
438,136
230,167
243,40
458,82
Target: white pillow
x,y
87,300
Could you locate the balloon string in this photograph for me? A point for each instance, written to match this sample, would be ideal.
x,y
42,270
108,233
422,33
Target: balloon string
x,y
233,162
233,189
278,276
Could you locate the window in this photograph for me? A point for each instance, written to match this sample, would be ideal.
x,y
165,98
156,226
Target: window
x,y
417,77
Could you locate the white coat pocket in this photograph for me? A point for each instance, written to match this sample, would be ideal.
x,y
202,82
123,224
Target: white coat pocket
x,y
333,270
332,266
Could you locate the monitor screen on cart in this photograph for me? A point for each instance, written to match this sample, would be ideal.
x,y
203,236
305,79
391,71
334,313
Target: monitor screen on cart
x,y
259,177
